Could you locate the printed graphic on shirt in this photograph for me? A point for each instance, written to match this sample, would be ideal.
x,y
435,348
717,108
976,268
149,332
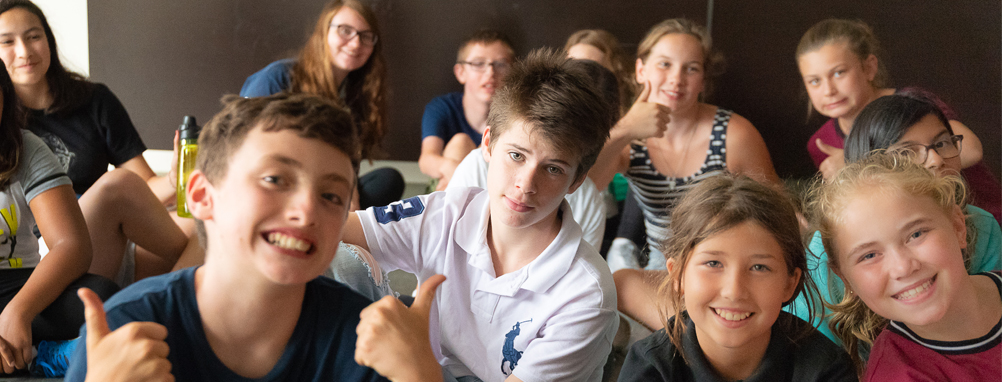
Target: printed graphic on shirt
x,y
63,154
510,354
399,210
8,231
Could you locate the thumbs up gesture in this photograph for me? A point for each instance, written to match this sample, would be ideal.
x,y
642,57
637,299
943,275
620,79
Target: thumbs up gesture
x,y
393,339
835,161
645,119
134,352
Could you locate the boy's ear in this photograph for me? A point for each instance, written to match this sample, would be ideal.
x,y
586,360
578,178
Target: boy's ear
x,y
199,193
460,71
959,222
485,145
577,183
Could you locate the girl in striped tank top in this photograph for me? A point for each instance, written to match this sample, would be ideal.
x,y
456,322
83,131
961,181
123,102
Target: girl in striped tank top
x,y
670,140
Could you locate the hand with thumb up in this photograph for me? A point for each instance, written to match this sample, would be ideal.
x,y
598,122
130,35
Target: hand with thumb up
x,y
646,118
133,352
835,161
393,339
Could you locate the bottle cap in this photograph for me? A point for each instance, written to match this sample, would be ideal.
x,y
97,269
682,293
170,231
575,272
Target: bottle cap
x,y
189,129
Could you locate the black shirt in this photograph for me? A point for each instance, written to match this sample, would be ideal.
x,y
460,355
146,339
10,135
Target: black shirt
x,y
87,139
812,358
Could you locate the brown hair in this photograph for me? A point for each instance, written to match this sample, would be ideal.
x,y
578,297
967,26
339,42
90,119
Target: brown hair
x,y
857,36
365,87
308,115
713,61
557,100
69,90
851,320
609,45
11,123
484,37
716,205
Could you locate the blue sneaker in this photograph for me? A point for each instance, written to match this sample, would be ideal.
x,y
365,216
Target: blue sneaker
x,y
53,358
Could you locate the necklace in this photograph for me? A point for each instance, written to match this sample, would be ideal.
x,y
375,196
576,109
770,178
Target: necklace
x,y
679,163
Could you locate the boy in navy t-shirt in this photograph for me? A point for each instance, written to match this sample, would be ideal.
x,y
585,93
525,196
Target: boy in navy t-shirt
x,y
271,190
454,123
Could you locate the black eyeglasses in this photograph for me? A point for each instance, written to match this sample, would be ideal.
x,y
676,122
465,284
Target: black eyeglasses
x,y
481,66
948,147
348,32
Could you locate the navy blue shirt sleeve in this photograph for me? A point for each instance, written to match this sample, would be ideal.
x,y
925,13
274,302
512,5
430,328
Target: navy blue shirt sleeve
x,y
434,121
274,78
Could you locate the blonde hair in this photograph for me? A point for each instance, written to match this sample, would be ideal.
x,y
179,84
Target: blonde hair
x,y
851,320
857,36
365,87
609,45
713,61
716,205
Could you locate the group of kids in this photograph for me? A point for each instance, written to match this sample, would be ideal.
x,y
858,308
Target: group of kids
x,y
900,279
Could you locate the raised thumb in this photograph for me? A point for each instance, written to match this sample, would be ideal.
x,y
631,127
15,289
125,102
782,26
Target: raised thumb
x,y
422,302
644,94
97,322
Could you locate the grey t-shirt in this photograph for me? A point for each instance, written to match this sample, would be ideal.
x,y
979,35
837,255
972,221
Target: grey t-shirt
x,y
39,171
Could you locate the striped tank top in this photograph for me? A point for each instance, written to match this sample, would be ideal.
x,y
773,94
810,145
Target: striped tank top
x,y
657,194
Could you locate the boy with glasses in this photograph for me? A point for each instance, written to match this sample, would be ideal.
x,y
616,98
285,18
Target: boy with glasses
x,y
453,123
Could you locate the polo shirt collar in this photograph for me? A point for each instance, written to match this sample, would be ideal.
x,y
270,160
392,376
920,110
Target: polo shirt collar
x,y
537,276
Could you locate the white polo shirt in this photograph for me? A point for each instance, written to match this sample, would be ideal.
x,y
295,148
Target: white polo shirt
x,y
587,205
552,320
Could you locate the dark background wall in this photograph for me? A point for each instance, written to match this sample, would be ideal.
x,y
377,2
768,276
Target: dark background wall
x,y
165,59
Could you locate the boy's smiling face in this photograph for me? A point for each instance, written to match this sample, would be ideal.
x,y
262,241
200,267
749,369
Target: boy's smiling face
x,y
279,210
527,177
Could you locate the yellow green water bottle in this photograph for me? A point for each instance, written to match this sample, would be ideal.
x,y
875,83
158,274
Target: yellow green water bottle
x,y
187,151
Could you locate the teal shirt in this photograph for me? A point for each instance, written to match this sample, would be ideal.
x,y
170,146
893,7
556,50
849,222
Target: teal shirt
x,y
987,256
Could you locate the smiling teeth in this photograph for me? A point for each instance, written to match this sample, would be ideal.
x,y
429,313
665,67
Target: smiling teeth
x,y
288,242
732,316
914,291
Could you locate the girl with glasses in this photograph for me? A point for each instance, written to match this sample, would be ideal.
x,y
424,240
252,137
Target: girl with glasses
x,y
342,61
842,71
914,126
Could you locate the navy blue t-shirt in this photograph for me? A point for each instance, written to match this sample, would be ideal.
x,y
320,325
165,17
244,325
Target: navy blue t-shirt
x,y
444,117
322,347
272,79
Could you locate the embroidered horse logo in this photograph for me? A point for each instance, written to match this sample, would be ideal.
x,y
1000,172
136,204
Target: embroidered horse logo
x,y
511,356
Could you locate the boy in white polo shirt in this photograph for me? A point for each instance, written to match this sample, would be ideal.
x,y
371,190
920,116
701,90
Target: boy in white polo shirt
x,y
526,298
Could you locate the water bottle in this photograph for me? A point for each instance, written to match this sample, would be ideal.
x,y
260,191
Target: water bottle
x,y
187,151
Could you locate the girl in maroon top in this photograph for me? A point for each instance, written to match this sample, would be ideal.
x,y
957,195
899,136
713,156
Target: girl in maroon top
x,y
839,63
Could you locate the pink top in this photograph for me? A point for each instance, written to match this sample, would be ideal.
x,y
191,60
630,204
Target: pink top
x,y
899,354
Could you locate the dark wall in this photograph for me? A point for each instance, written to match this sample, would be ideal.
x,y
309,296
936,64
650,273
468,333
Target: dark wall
x,y
168,59
950,48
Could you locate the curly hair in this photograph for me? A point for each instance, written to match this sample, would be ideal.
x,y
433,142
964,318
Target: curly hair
x,y
851,320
